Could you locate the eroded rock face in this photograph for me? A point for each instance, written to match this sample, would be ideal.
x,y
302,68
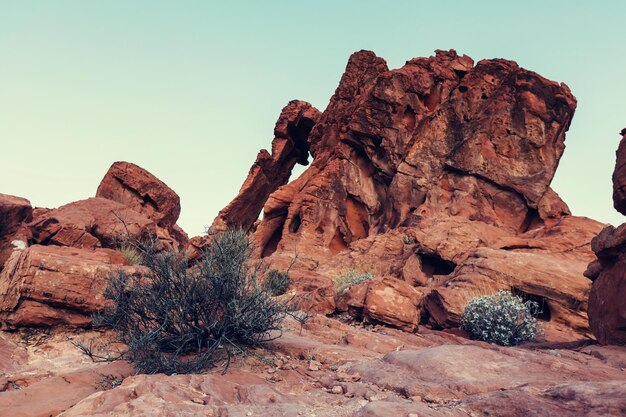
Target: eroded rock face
x,y
382,300
53,395
607,300
52,285
59,280
619,176
135,187
393,302
437,137
91,223
270,171
14,212
422,173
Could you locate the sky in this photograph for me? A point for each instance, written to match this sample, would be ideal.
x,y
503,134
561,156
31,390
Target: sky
x,y
191,90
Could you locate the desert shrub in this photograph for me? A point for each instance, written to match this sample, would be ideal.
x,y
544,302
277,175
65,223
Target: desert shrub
x,y
352,277
502,318
182,319
130,252
408,240
277,282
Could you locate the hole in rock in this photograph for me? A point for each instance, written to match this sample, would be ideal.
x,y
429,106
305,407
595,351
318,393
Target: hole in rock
x,y
357,218
299,132
484,96
532,220
295,223
409,118
338,243
272,244
462,88
434,265
460,73
544,308
433,99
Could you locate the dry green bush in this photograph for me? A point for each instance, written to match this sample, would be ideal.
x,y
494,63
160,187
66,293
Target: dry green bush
x,y
277,282
182,320
351,277
502,318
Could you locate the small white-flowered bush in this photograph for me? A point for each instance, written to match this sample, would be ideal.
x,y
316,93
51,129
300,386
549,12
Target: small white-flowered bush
x,y
502,318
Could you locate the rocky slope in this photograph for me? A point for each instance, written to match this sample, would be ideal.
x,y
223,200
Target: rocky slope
x,y
434,178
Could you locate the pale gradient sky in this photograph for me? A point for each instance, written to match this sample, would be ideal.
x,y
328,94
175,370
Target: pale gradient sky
x,y
191,90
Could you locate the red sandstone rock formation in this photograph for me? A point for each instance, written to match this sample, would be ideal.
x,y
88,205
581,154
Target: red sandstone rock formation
x,y
91,223
51,285
437,137
14,212
60,279
607,300
619,176
438,174
436,178
135,187
270,171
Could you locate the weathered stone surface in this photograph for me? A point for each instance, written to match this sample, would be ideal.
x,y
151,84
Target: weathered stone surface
x,y
234,394
416,168
393,302
91,223
51,285
359,371
270,171
450,372
619,176
135,187
14,212
596,399
556,283
382,300
11,358
310,292
53,395
455,260
195,246
351,298
438,137
607,300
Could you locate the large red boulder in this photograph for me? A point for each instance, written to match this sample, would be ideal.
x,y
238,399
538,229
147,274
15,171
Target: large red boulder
x,y
14,212
394,302
52,285
607,300
135,187
91,223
